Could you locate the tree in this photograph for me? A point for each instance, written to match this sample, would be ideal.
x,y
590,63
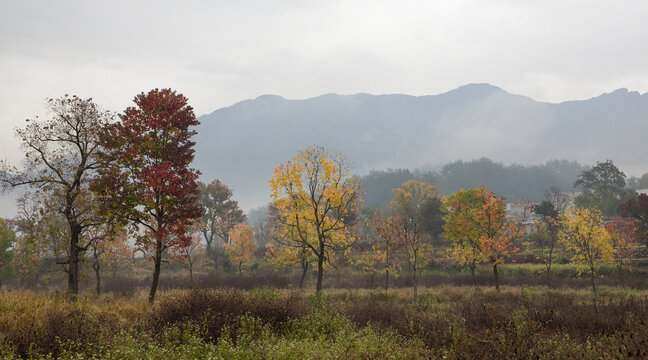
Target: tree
x,y
624,234
387,245
221,214
284,248
547,226
104,240
583,235
413,206
241,248
637,209
60,159
375,249
603,187
316,196
7,240
477,225
189,252
28,249
147,179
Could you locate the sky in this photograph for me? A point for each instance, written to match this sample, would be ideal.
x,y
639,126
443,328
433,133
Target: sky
x,y
220,52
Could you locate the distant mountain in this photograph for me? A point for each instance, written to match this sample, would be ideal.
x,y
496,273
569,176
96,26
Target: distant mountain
x,y
242,144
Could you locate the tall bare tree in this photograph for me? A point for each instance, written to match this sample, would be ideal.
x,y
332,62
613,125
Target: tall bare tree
x,y
60,160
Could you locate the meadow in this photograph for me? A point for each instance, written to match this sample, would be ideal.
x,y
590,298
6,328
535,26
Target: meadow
x,y
445,321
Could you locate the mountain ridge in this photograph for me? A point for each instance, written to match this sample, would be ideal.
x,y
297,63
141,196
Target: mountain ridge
x,y
241,144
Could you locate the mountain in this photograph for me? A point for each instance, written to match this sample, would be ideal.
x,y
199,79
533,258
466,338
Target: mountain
x,y
243,143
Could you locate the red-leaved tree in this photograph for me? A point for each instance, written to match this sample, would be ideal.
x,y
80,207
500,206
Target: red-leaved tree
x,y
147,179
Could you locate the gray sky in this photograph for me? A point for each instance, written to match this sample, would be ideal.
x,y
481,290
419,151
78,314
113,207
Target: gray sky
x,y
221,52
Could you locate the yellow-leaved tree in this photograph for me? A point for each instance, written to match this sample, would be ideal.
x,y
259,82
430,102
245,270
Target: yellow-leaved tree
x,y
316,196
241,247
583,233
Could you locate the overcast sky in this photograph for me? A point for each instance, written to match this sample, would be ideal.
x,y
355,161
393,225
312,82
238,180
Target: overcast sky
x,y
218,53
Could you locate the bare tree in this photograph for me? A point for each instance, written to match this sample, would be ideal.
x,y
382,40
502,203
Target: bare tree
x,y
60,160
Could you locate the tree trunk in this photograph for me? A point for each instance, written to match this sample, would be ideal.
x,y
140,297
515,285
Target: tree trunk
x,y
302,281
97,268
386,279
320,272
191,283
473,266
156,272
215,258
549,276
240,263
592,278
373,274
497,287
415,284
73,265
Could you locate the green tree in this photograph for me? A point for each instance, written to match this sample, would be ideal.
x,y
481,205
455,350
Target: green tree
x,y
603,187
7,240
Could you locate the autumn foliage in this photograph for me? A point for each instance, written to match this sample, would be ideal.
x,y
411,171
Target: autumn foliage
x,y
477,225
316,196
241,247
147,179
583,234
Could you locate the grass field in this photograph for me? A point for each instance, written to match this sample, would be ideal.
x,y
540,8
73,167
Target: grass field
x,y
454,322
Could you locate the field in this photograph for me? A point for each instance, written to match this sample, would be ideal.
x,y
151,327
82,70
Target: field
x,y
453,322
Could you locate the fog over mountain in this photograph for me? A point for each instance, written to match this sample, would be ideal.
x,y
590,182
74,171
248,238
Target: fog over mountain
x,y
243,143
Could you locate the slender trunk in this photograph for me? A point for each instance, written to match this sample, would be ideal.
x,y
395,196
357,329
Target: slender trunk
x,y
320,271
240,263
97,268
473,266
156,271
415,284
114,271
373,273
497,287
215,258
191,282
386,279
302,281
73,265
592,278
549,275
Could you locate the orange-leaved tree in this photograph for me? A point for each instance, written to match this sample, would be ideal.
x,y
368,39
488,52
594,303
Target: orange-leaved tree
x,y
241,247
316,195
477,225
624,234
583,234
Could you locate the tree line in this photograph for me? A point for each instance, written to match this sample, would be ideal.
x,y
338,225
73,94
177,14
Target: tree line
x,y
105,186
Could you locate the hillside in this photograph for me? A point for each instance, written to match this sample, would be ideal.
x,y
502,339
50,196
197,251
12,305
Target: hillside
x,y
241,144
